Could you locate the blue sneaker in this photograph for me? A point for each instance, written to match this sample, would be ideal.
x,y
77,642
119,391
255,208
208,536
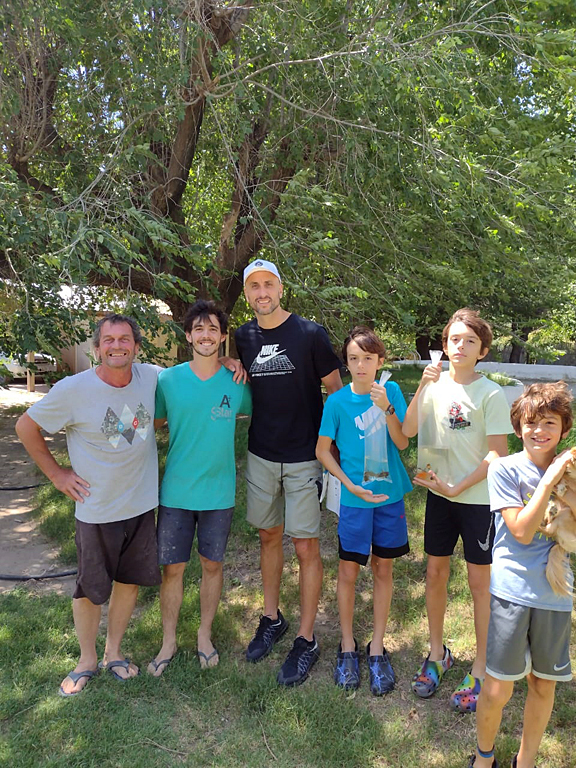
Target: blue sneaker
x,y
347,671
382,677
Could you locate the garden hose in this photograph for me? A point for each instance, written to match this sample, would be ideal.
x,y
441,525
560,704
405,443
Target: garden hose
x,y
8,577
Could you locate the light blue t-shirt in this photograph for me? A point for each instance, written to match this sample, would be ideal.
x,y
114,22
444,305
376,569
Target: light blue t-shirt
x,y
200,469
519,570
342,421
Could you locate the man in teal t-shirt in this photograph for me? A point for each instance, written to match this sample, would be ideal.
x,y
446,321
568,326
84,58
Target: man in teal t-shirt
x,y
200,401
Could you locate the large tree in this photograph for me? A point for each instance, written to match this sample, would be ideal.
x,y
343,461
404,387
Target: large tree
x,y
398,158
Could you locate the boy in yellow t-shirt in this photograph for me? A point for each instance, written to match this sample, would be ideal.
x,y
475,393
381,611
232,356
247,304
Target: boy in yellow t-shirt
x,y
472,420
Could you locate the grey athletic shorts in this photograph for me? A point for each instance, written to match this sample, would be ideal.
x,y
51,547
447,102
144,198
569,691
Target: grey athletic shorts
x,y
273,487
523,639
177,527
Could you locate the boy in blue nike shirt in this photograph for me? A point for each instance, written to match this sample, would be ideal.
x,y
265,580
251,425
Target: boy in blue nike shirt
x,y
372,517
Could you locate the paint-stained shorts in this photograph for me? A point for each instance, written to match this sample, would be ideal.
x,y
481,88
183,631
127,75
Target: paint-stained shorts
x,y
288,493
447,520
523,639
123,551
177,527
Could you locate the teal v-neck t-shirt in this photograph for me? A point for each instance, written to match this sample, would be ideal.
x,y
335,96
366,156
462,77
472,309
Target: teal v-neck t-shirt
x,y
200,469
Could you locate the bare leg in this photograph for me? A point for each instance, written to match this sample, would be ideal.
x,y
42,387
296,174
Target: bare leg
x,y
86,621
346,593
171,592
271,564
537,711
437,575
311,570
121,607
479,582
493,698
382,571
210,591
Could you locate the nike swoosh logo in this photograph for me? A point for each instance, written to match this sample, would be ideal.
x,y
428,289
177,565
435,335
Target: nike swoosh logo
x,y
484,545
264,358
563,666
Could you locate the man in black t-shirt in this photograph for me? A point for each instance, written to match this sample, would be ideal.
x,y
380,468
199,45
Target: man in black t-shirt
x,y
287,359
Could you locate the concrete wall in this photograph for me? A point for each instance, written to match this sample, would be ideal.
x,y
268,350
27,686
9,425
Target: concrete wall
x,y
521,371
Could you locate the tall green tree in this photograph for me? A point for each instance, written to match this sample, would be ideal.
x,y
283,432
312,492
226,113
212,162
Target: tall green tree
x,y
398,158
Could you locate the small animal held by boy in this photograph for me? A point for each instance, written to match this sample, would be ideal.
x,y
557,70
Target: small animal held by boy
x,y
559,523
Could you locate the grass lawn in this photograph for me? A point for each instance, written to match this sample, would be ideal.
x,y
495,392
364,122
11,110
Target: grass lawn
x,y
235,714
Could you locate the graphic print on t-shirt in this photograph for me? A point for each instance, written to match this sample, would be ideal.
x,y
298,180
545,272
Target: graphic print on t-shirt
x,y
128,425
369,420
222,411
271,361
457,420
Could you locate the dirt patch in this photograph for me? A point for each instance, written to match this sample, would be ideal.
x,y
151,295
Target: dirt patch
x,y
24,551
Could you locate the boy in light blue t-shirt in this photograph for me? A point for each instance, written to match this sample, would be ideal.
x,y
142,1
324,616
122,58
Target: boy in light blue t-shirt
x,y
372,517
530,623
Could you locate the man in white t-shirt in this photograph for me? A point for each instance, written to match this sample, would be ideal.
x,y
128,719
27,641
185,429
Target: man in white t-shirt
x,y
108,414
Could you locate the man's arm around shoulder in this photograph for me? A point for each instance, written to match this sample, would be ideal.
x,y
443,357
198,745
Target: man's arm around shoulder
x,y
64,479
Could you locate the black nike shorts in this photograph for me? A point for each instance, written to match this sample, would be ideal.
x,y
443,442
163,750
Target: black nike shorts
x,y
447,520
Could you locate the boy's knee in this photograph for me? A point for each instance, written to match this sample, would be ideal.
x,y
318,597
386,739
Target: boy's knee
x,y
495,693
479,590
479,580
348,571
437,573
541,687
381,568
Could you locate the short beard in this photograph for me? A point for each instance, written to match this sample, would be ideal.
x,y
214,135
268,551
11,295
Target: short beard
x,y
272,308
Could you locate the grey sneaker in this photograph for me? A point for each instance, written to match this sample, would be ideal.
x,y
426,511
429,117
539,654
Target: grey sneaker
x,y
268,633
299,662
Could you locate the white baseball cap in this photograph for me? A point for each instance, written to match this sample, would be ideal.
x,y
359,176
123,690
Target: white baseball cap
x,y
261,265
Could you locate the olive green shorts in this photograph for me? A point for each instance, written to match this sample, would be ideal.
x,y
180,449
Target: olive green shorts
x,y
284,493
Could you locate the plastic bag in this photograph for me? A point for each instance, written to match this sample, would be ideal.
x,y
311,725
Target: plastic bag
x,y
375,442
433,438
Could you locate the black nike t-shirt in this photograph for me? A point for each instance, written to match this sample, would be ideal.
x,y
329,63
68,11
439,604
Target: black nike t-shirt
x,y
285,365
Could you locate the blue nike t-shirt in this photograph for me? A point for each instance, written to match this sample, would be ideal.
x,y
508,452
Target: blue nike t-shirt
x,y
343,421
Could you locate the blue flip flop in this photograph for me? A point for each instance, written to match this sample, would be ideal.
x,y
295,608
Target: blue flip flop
x,y
155,663
124,663
75,676
205,658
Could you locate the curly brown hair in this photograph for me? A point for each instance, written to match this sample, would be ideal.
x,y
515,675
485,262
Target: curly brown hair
x,y
541,399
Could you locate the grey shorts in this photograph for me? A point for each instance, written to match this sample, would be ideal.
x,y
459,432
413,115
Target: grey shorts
x,y
523,639
286,493
123,551
177,527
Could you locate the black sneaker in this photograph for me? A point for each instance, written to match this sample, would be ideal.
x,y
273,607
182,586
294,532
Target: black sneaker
x,y
299,662
268,633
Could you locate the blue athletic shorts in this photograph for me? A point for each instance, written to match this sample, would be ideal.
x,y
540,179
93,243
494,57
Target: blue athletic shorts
x,y
381,529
